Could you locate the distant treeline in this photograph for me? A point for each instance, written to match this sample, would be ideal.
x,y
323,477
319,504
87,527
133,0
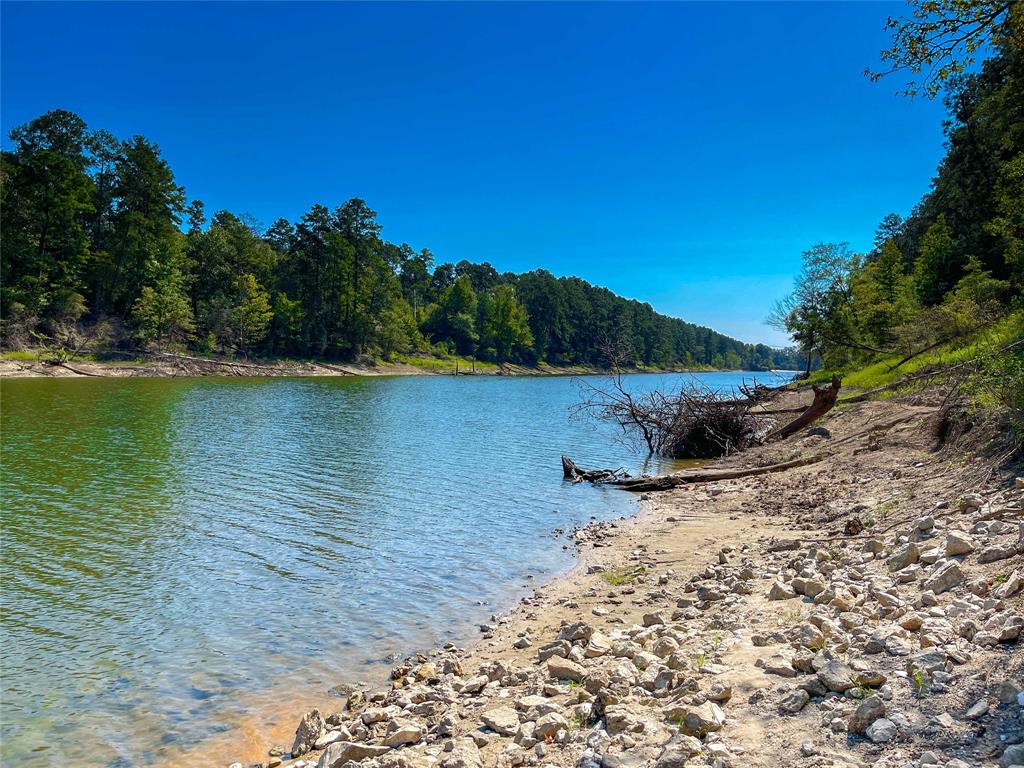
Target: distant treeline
x,y
97,235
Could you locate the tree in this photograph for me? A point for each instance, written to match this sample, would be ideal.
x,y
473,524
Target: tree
x,y
941,39
454,319
162,312
882,297
252,314
505,324
815,314
147,214
934,262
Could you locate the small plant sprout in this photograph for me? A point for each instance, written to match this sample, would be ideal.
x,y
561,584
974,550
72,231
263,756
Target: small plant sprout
x,y
1001,578
919,681
700,660
716,642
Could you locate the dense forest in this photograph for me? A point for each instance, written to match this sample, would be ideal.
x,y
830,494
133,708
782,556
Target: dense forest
x,y
99,242
954,267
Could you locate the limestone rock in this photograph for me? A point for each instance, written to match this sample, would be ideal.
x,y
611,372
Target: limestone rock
x,y
958,543
562,669
311,728
869,710
944,579
340,752
503,720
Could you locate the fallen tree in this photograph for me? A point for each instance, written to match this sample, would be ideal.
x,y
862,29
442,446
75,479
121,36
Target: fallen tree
x,y
578,475
674,480
698,423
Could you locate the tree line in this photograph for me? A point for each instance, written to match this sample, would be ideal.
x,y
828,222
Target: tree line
x,y
954,266
97,239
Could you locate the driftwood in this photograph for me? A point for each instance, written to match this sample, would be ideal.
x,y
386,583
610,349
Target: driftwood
x,y
578,475
824,401
667,482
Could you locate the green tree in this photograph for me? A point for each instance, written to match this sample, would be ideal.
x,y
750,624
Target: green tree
x,y
934,262
252,313
941,38
505,323
162,312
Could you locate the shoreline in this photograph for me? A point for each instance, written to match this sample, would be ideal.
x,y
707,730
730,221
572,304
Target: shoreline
x,y
168,366
695,639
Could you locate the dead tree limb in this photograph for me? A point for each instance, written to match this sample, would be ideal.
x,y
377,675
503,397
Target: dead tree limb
x,y
824,401
667,482
578,475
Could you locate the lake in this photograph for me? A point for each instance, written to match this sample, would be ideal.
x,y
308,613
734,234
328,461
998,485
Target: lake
x,y
184,557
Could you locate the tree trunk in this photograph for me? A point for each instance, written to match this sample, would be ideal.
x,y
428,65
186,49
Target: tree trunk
x,y
824,401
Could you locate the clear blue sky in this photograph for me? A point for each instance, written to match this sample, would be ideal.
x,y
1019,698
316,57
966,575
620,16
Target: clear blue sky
x,y
681,154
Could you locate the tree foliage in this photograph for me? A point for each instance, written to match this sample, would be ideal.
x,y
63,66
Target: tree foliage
x,y
955,264
95,228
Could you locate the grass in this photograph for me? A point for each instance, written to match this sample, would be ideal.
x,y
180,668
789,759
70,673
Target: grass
x,y
700,660
879,373
25,356
620,576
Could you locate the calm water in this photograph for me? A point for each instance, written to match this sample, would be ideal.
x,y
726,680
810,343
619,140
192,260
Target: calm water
x,y
177,551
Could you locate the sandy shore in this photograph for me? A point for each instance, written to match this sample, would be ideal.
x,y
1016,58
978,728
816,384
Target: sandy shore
x,y
864,610
157,365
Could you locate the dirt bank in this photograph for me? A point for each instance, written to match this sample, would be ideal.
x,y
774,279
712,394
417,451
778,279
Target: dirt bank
x,y
864,610
167,365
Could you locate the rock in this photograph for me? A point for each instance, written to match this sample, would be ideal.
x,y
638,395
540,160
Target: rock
x,y
904,556
550,724
338,734
836,676
1012,755
340,752
677,753
400,733
869,710
701,720
996,552
881,731
944,579
1013,584
598,645
311,728
795,701
779,665
562,669
958,543
475,684
977,711
464,754
781,591
503,720
1009,690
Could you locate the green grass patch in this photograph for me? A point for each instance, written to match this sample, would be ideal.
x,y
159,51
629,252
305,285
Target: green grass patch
x,y
619,576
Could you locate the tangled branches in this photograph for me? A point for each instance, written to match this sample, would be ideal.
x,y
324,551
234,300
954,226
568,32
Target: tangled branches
x,y
689,424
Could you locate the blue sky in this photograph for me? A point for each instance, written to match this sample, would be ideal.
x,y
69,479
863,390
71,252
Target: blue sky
x,y
682,154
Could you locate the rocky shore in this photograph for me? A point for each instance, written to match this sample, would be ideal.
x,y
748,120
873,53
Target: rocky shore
x,y
866,610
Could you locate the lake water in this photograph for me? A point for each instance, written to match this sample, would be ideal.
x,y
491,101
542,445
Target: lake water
x,y
180,556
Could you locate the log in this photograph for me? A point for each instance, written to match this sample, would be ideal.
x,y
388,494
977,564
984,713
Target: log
x,y
667,482
824,401
577,474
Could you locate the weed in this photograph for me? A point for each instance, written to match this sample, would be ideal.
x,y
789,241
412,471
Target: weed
x,y
919,681
700,660
621,576
1001,578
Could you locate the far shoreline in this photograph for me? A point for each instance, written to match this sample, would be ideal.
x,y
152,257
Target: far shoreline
x,y
167,365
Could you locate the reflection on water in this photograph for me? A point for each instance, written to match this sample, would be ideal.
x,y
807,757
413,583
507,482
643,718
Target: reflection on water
x,y
175,549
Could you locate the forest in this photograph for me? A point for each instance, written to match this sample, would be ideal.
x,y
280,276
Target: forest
x,y
950,274
102,250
